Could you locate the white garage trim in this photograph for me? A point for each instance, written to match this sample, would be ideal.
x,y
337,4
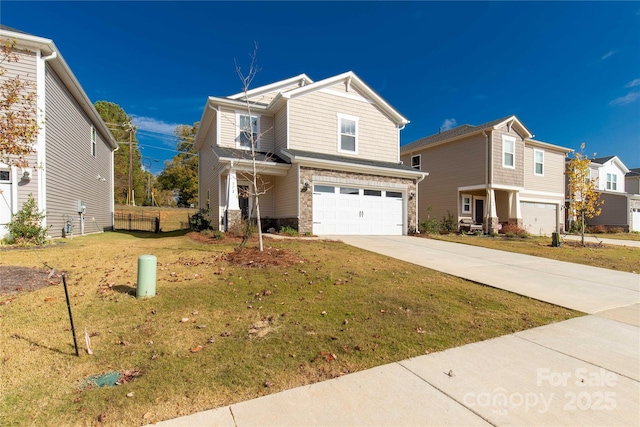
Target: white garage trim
x,y
350,210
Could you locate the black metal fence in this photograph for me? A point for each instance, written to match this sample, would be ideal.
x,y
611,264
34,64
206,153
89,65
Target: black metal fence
x,y
136,222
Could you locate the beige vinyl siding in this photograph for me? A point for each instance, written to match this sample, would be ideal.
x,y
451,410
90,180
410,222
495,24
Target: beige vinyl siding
x,y
267,97
503,175
313,126
280,131
287,188
553,171
614,211
228,130
268,199
208,176
267,134
71,169
456,164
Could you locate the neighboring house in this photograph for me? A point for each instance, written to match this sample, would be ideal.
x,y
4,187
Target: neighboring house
x,y
71,171
492,174
328,155
621,203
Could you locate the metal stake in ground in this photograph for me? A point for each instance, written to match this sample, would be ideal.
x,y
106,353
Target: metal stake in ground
x,y
73,330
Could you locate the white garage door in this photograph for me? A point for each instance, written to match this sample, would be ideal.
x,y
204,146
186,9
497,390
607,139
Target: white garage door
x,y
539,218
350,210
635,219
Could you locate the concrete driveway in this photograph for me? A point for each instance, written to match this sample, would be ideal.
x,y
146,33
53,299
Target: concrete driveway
x,y
584,371
576,286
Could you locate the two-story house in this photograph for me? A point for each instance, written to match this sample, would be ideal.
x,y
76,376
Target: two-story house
x,y
70,174
327,154
492,174
620,202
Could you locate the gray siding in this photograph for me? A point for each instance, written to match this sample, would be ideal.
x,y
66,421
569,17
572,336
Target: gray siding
x,y
280,130
456,164
632,184
71,169
614,211
503,175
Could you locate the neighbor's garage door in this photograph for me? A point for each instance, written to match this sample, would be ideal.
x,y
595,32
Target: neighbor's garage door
x,y
539,218
635,219
350,210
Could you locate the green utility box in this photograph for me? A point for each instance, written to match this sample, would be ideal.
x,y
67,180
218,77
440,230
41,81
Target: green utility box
x,y
146,287
555,240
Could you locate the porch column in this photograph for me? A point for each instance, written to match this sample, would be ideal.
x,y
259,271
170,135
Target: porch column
x,y
491,225
515,211
233,216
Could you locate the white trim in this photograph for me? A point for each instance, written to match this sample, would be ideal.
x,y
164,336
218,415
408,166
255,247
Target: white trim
x,y
466,196
512,140
218,111
239,113
524,198
273,86
542,193
14,191
288,128
611,180
94,144
353,119
360,183
535,162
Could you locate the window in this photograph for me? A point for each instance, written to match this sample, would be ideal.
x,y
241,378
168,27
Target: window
x,y
415,162
508,152
396,194
612,181
466,203
376,193
247,130
538,162
347,133
324,189
347,190
93,141
5,176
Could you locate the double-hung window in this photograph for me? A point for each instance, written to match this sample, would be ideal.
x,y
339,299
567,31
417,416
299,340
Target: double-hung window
x,y
248,126
347,134
508,152
93,141
612,181
415,161
538,162
466,203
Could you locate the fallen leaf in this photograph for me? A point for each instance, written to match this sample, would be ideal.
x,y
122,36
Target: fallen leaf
x,y
225,334
268,383
48,299
130,394
147,415
102,417
184,320
196,349
201,326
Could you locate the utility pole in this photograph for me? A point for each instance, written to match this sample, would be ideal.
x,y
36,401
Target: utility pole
x,y
132,202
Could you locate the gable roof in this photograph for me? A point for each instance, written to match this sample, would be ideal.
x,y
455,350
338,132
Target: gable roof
x,y
305,86
601,161
633,172
465,130
59,65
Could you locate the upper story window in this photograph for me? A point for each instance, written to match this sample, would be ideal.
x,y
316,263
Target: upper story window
x,y
93,141
347,133
612,181
538,162
415,162
247,130
508,152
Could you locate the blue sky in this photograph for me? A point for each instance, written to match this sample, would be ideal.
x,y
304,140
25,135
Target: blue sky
x,y
569,70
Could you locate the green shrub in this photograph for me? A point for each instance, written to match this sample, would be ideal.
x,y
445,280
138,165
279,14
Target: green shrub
x,y
26,225
449,223
597,229
218,235
289,231
615,230
200,221
429,225
512,230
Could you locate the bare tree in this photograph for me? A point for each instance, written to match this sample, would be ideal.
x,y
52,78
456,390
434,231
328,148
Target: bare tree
x,y
19,125
250,133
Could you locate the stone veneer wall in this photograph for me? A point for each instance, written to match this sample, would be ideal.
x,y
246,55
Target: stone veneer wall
x,y
406,185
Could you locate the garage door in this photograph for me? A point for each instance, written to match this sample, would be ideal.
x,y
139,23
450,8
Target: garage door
x,y
539,218
350,210
635,219
5,201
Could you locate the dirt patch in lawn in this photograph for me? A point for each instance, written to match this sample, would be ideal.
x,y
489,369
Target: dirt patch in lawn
x,y
19,279
269,257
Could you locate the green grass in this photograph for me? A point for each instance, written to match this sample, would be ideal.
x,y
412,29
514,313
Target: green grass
x,y
635,236
365,309
614,257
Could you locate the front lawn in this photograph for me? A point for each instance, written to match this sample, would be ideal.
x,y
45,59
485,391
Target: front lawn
x,y
622,258
219,333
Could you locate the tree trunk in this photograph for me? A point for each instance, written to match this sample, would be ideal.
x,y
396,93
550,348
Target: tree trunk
x,y
582,228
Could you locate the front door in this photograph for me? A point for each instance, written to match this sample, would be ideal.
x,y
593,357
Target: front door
x,y
243,200
478,214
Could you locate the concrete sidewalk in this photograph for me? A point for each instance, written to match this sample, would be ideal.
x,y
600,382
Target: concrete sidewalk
x,y
604,240
584,371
